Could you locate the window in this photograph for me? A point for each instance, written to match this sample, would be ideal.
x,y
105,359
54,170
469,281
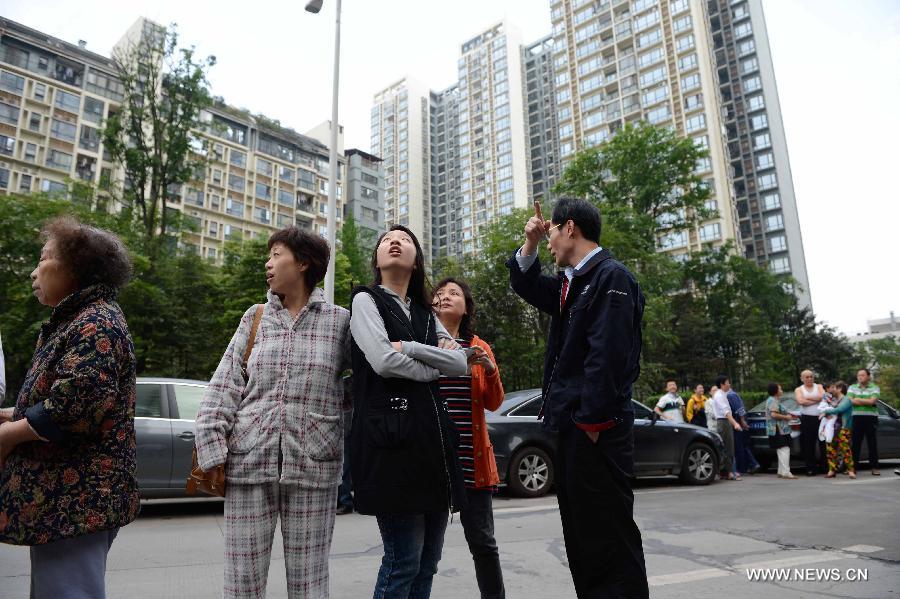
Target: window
x,y
755,103
648,38
686,63
682,23
742,30
67,101
285,198
264,215
148,403
93,110
646,20
11,82
306,179
678,5
9,114
759,122
779,265
53,187
4,178
60,160
651,77
214,228
765,161
746,47
234,207
238,158
774,222
675,239
286,173
263,191
233,233
695,122
693,102
236,182
62,130
710,232
684,43
767,181
690,82
702,142
658,114
30,153
762,141
752,84
264,166
89,139
749,65
771,201
528,409
39,92
25,183
193,196
648,58
7,145
778,243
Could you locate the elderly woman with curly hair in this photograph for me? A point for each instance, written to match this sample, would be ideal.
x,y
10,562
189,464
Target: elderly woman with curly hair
x,y
67,452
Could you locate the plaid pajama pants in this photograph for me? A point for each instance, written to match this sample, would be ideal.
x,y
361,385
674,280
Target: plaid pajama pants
x,y
307,523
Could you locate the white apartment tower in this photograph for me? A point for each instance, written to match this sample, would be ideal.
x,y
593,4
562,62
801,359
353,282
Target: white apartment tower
x,y
620,62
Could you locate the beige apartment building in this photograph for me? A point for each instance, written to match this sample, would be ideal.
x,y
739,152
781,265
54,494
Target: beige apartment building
x,y
55,95
617,62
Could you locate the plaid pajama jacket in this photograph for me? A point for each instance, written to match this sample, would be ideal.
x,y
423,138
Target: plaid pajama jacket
x,y
280,436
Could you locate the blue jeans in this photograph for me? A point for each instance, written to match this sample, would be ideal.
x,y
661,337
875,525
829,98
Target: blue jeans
x,y
478,525
71,568
743,454
412,550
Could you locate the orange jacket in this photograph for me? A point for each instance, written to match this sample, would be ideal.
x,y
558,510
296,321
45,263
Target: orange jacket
x,y
487,394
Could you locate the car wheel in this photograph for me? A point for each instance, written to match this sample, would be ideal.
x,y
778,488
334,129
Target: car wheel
x,y
530,472
700,464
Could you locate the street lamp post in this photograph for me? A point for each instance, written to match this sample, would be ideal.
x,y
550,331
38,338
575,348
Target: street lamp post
x,y
314,6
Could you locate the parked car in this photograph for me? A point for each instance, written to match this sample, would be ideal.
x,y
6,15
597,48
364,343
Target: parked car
x,y
524,451
888,434
164,424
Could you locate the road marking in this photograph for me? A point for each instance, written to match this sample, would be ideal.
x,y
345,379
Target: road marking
x,y
871,481
527,509
673,490
863,548
709,573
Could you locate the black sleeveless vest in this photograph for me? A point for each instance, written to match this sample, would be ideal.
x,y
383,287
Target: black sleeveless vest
x,y
403,443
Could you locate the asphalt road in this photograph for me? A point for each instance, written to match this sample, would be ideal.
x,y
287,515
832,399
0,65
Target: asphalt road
x,y
699,542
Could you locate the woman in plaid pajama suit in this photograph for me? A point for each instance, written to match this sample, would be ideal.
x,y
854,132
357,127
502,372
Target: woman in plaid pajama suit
x,y
278,431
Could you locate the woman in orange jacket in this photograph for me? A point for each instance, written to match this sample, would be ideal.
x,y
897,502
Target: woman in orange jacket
x,y
467,398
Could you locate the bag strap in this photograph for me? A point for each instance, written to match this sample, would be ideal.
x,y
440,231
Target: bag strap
x,y
256,318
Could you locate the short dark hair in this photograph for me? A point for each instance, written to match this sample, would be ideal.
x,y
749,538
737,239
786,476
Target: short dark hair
x,y
773,389
418,283
93,256
842,386
308,248
671,381
585,215
868,372
467,324
722,379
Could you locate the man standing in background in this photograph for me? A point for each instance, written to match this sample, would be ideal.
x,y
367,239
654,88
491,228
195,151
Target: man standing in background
x,y
864,395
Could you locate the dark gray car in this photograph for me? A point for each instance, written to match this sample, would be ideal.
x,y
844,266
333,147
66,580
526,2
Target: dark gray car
x,y
888,434
164,423
524,451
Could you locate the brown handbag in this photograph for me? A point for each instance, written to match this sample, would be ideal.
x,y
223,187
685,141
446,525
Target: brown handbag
x,y
198,480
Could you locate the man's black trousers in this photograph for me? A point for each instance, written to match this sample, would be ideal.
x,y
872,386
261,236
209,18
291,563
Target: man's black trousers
x,y
593,487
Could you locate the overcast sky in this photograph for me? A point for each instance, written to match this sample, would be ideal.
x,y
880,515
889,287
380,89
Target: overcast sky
x,y
837,64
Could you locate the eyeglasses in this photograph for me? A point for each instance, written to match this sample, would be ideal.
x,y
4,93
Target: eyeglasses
x,y
547,233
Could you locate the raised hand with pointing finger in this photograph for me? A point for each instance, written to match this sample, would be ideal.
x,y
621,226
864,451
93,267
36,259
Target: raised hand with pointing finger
x,y
535,231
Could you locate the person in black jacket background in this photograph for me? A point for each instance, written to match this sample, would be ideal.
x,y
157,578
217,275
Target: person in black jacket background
x,y
592,360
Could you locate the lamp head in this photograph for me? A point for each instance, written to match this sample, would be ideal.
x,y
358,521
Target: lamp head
x,y
314,6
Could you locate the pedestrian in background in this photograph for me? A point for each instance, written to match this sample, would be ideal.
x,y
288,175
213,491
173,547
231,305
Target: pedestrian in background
x,y
726,426
808,396
467,397
274,431
865,395
695,413
778,430
744,461
67,457
840,446
403,448
710,408
670,406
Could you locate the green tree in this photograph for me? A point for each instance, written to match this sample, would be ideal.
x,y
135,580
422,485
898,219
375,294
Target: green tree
x,y
356,245
883,357
152,136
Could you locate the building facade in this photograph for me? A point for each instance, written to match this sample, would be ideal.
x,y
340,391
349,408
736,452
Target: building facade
x,y
764,190
54,97
540,101
621,62
365,192
444,167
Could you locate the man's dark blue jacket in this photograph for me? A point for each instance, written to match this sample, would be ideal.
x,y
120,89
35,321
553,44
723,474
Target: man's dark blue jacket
x,y
594,345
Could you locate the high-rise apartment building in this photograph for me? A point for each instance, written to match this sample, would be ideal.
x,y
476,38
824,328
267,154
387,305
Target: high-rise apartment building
x,y
445,190
619,62
766,208
365,192
400,136
540,102
54,97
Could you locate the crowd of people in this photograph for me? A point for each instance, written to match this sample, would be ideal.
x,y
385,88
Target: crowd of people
x,y
833,419
272,426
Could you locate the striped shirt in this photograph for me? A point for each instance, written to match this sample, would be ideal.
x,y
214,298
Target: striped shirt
x,y
457,392
868,392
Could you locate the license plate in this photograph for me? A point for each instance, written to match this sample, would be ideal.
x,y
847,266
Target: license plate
x,y
757,426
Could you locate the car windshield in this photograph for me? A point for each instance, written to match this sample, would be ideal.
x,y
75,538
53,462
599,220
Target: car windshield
x,y
789,404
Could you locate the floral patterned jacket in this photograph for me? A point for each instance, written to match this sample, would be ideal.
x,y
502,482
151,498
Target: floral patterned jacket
x,y
79,394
